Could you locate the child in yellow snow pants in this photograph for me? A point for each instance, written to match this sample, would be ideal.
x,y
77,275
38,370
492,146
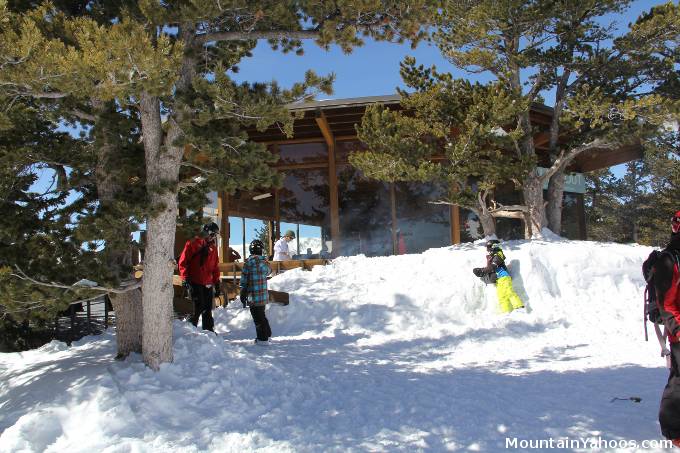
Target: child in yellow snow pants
x,y
508,299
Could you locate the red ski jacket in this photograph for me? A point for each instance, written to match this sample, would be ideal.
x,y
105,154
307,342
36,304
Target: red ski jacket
x,y
195,268
668,276
671,305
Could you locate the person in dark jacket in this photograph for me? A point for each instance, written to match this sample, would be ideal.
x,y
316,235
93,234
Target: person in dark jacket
x,y
198,269
253,290
667,278
508,300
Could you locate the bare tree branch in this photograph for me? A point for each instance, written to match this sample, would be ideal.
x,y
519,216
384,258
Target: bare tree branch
x,y
22,275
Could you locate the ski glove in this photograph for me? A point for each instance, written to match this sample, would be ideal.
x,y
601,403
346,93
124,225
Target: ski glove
x,y
244,299
187,288
218,289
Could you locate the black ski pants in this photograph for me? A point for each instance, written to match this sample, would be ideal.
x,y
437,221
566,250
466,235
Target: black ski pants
x,y
202,297
669,409
261,324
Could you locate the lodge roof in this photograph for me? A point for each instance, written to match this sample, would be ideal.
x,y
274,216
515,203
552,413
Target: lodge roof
x,y
336,119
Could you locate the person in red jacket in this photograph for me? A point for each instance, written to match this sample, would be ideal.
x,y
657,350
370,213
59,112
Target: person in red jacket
x,y
668,278
200,274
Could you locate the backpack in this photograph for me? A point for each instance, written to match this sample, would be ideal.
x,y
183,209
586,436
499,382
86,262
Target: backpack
x,y
652,305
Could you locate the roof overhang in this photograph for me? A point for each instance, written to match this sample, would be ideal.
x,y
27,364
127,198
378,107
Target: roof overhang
x,y
336,119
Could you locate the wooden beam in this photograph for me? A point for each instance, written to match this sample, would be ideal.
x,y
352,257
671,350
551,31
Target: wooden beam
x,y
325,128
292,141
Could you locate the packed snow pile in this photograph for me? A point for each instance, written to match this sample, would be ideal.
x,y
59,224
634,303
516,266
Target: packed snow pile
x,y
402,353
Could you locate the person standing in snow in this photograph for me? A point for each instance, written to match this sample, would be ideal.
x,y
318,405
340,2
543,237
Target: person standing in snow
x,y
200,274
253,290
281,252
667,279
508,299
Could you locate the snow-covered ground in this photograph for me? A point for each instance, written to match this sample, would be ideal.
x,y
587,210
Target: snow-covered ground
x,y
403,353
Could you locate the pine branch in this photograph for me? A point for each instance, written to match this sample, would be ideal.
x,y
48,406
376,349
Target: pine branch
x,y
251,35
22,276
201,169
83,115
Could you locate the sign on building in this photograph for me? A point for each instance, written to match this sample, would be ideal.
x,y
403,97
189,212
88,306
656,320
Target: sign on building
x,y
573,182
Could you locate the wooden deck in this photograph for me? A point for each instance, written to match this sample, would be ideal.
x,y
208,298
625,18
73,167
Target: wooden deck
x,y
231,277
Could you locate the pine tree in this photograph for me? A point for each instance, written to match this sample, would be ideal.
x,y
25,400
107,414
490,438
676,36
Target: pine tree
x,y
531,47
36,227
450,132
602,207
633,191
165,66
664,160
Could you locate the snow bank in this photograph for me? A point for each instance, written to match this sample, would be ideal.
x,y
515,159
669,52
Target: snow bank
x,y
403,353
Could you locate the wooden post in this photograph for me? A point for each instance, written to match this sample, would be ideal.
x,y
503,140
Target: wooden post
x,y
106,311
393,203
581,217
455,224
276,232
243,224
89,312
71,335
223,215
327,133
297,239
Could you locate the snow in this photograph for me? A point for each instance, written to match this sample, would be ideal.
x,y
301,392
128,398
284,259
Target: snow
x,y
403,353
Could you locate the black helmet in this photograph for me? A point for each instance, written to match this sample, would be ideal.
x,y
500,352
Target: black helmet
x,y
493,244
256,247
211,228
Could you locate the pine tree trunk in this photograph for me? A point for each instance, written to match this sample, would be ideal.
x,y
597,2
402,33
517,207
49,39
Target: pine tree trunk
x,y
556,184
533,198
127,306
128,309
488,224
555,201
162,173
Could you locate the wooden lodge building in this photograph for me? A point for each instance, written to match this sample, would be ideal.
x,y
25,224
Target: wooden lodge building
x,y
336,211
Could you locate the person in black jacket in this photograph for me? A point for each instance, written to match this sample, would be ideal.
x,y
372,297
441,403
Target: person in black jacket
x,y
666,280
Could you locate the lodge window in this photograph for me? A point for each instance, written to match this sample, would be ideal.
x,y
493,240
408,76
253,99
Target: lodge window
x,y
304,205
344,148
365,214
298,153
420,223
256,204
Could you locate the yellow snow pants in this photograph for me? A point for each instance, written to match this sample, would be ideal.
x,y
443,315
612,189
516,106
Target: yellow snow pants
x,y
508,299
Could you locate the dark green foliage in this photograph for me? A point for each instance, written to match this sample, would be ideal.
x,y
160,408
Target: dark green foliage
x,y
37,233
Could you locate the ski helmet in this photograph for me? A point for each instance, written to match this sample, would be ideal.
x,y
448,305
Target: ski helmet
x,y
675,223
493,245
211,228
256,247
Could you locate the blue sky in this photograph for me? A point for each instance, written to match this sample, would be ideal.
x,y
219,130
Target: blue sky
x,y
373,69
